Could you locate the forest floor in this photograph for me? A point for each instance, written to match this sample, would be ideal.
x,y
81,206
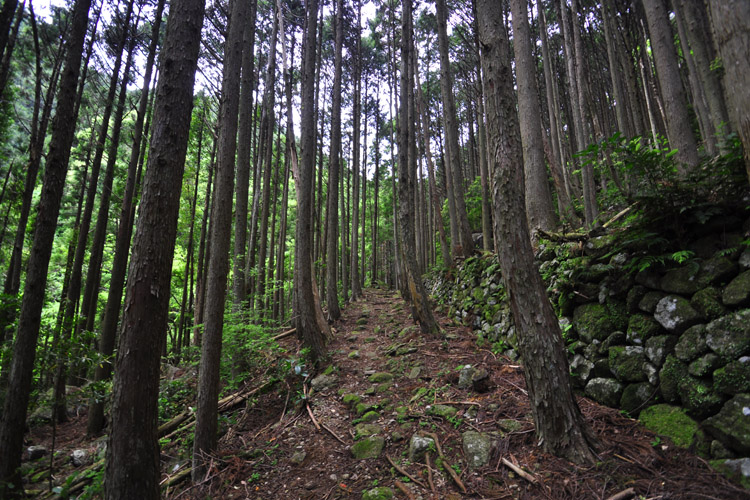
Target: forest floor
x,y
295,442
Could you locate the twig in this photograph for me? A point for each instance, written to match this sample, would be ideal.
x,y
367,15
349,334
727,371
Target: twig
x,y
519,471
334,434
447,464
404,473
623,495
457,403
312,417
429,473
404,490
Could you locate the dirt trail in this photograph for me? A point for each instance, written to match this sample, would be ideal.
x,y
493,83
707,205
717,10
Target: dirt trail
x,y
273,457
385,383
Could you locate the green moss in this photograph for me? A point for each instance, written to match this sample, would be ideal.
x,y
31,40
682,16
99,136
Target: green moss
x,y
380,377
733,378
351,399
370,447
672,422
670,377
370,416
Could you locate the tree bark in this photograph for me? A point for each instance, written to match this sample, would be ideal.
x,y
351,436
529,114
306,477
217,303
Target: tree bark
x,y
133,452
559,424
465,245
13,420
539,209
730,20
679,131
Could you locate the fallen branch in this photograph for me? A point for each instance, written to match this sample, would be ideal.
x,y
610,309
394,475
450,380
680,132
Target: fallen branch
x,y
623,495
406,491
404,473
519,471
285,334
446,463
171,481
429,473
334,434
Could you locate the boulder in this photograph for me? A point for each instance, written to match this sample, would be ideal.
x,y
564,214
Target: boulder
x,y
35,452
380,377
80,458
681,280
640,328
698,397
635,396
465,376
734,377
635,295
692,343
365,429
729,336
731,425
670,377
737,292
649,301
606,391
745,260
648,278
418,448
581,367
369,447
379,493
708,303
704,365
658,347
627,363
477,446
676,314
716,270
596,321
443,411
322,382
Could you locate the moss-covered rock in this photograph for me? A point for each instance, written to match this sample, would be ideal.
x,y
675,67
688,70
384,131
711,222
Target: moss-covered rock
x,y
648,278
729,336
731,425
380,377
418,447
606,391
634,297
670,377
635,397
364,430
369,447
676,314
598,321
627,363
672,422
708,302
351,399
681,280
650,300
737,292
737,470
641,328
658,347
599,246
477,446
716,270
379,493
443,411
698,397
692,343
704,365
733,378
370,416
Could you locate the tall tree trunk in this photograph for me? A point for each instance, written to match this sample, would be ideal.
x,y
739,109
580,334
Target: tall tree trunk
x,y
244,143
679,131
268,104
357,109
417,297
200,279
13,420
310,324
538,197
730,20
133,450
560,427
465,244
206,417
122,243
334,312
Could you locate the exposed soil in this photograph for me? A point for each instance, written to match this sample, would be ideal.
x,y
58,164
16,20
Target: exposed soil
x,y
275,448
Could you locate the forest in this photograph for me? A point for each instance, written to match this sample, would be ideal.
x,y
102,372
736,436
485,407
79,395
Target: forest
x,y
189,183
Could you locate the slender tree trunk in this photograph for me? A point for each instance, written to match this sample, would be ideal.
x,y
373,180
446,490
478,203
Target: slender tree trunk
x,y
200,279
560,427
465,244
13,420
730,20
417,296
538,197
244,142
677,120
206,423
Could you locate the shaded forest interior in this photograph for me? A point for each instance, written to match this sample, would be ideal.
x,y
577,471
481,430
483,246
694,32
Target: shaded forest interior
x,y
188,183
